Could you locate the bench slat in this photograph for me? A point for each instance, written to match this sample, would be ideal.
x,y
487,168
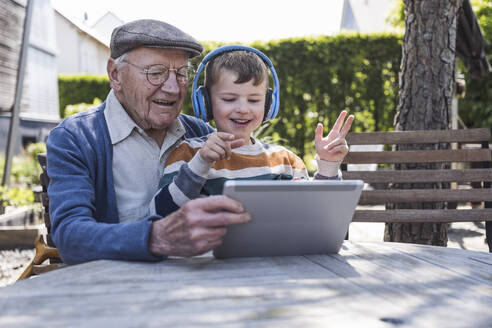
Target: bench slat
x,y
19,236
400,216
418,156
419,137
373,197
465,175
478,150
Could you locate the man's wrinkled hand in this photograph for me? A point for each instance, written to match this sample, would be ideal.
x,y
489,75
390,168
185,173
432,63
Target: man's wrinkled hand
x,y
197,227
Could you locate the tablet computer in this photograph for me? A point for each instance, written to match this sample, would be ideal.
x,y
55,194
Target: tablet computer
x,y
290,217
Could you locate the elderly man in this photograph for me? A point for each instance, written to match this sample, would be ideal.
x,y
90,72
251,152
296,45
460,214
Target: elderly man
x,y
105,164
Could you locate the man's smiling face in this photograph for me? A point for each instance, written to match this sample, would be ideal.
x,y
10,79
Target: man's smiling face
x,y
152,107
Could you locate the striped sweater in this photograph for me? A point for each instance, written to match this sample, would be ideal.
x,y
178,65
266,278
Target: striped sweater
x,y
188,176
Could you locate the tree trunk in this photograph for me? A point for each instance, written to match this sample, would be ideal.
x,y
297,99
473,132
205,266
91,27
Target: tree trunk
x,y
426,87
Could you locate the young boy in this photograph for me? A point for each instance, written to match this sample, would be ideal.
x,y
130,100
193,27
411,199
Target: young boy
x,y
237,83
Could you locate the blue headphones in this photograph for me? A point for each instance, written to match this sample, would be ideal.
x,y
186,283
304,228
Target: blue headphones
x,y
200,98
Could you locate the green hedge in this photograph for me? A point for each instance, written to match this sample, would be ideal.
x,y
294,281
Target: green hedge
x,y
319,77
475,109
75,89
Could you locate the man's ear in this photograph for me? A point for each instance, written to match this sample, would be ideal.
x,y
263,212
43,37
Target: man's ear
x,y
113,74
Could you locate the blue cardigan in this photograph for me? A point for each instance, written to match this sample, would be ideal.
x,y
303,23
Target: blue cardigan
x,y
83,208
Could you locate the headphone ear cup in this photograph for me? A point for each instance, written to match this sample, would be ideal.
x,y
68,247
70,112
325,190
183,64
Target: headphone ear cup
x,y
202,102
268,103
208,104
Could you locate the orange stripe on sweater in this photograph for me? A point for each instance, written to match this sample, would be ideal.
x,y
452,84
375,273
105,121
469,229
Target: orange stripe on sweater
x,y
183,152
240,161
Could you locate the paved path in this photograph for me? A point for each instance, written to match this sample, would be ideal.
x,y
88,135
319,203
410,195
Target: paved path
x,y
464,235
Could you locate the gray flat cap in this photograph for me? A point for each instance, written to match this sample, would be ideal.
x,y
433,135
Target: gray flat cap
x,y
154,34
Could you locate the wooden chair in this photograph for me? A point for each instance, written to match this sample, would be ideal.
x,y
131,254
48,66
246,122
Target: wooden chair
x,y
473,170
44,251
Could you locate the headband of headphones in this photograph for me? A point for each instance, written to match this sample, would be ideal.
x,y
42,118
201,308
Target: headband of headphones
x,y
197,97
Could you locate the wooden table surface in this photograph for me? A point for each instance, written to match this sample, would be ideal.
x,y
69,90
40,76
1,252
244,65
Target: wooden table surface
x,y
365,285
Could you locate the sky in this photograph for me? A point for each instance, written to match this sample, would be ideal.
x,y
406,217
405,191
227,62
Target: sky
x,y
221,20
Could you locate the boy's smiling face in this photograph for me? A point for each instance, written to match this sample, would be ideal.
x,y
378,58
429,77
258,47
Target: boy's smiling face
x,y
238,108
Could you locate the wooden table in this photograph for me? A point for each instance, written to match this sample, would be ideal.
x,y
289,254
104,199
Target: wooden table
x,y
365,285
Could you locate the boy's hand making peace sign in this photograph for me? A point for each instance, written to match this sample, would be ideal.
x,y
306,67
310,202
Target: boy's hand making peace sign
x,y
333,147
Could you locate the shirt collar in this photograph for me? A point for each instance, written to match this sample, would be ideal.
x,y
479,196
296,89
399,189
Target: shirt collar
x,y
121,125
174,134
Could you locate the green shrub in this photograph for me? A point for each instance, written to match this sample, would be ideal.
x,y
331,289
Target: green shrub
x,y
25,167
76,89
34,149
77,108
15,197
24,171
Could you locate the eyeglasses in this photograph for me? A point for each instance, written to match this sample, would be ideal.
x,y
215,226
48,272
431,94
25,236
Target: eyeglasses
x,y
159,73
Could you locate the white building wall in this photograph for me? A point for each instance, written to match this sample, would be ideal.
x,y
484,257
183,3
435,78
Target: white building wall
x,y
93,56
79,52
106,24
67,45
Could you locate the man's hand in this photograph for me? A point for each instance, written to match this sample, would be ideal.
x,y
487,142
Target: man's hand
x,y
197,227
218,146
333,147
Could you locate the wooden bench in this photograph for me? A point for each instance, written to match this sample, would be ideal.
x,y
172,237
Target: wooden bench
x,y
44,250
45,180
469,176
